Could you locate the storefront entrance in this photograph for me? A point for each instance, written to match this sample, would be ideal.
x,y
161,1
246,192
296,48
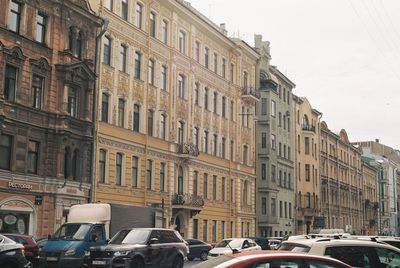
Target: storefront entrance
x,y
17,216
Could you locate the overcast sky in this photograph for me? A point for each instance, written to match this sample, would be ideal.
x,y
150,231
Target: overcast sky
x,y
343,55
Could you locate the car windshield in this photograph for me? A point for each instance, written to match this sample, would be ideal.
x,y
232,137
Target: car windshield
x,y
294,247
232,243
134,236
72,231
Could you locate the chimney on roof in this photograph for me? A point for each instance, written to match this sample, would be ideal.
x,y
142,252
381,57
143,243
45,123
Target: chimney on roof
x,y
377,140
222,28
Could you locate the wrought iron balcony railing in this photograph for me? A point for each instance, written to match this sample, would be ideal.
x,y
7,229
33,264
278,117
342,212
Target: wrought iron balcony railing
x,y
250,91
308,128
188,200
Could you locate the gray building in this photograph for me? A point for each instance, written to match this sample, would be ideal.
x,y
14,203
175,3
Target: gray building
x,y
275,139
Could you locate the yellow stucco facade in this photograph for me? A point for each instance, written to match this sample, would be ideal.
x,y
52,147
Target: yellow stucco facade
x,y
175,118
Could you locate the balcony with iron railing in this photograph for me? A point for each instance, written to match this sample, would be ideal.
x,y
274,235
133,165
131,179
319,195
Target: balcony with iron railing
x,y
306,127
250,94
188,149
188,201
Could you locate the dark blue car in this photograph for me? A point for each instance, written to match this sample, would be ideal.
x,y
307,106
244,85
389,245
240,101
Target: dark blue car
x,y
198,249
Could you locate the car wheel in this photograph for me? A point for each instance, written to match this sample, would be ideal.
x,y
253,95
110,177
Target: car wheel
x,y
204,256
190,258
178,262
137,263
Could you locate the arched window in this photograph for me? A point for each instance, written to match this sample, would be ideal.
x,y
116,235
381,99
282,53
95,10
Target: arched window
x,y
75,165
305,121
67,159
180,180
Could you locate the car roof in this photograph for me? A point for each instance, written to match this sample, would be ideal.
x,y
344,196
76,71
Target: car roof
x,y
345,241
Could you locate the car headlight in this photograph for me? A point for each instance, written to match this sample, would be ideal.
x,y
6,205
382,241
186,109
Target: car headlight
x,y
70,252
121,253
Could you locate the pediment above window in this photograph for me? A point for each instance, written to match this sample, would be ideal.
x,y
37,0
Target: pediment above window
x,y
78,74
40,66
13,55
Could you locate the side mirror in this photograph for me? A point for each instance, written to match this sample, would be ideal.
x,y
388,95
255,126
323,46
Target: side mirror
x,y
153,241
235,251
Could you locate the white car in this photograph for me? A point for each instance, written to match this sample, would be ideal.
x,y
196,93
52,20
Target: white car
x,y
355,252
233,245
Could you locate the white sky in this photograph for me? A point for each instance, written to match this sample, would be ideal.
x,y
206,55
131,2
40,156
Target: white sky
x,y
343,55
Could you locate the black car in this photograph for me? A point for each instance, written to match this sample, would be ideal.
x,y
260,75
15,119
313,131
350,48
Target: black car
x,y
11,254
140,247
262,242
198,249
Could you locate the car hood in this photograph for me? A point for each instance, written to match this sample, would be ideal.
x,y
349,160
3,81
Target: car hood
x,y
62,245
10,246
222,251
115,247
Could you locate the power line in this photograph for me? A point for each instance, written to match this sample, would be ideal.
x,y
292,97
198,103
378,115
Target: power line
x,y
390,19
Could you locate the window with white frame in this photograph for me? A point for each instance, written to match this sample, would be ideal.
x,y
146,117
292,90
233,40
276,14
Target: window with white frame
x,y
37,91
164,35
182,42
14,19
102,165
164,76
41,27
151,72
163,126
118,169
153,23
181,86
139,15
124,9
136,117
135,171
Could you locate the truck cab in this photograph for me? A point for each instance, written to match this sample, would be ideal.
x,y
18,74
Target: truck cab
x,y
87,226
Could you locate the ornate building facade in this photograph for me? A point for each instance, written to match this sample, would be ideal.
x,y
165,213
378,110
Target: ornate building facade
x,y
341,181
371,204
176,108
275,139
47,53
307,182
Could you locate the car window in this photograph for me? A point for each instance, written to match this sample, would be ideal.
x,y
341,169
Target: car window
x,y
393,243
18,239
353,256
97,233
323,264
388,258
169,237
252,243
294,247
278,264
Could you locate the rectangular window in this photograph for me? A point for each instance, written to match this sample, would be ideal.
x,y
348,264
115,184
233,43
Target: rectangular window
x,y
164,37
264,206
33,157
37,91
263,140
164,70
197,51
181,131
5,151
206,98
232,73
307,172
231,192
223,229
108,4
104,107
232,150
306,145
223,148
151,72
215,145
10,83
121,113
214,231
273,108
196,137
195,182
223,188
162,177
224,68
205,141
273,207
263,171
118,169
264,106
122,52
215,187
182,42
290,210
223,112
196,93
215,63
195,228
153,24
14,20
102,165
206,57
286,214
181,86
273,142
149,174
232,110
205,230
41,21
245,154
139,15
163,126
205,186
107,50
138,64
72,102
136,117
124,9
150,123
273,173
135,170
281,209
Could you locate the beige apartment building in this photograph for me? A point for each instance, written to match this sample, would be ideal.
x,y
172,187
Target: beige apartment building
x,y
307,165
175,136
371,204
341,181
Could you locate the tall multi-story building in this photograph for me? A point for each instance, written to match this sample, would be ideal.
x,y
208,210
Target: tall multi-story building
x,y
341,181
387,160
175,139
47,54
306,151
370,197
275,139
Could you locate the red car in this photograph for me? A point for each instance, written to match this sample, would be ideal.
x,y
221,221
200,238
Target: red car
x,y
272,259
31,249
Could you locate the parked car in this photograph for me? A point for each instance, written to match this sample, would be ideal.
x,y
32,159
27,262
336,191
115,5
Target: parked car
x,y
198,249
31,249
355,252
11,254
272,259
140,247
233,245
391,240
274,243
262,242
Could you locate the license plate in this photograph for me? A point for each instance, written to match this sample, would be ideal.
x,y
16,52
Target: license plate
x,y
52,259
99,262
